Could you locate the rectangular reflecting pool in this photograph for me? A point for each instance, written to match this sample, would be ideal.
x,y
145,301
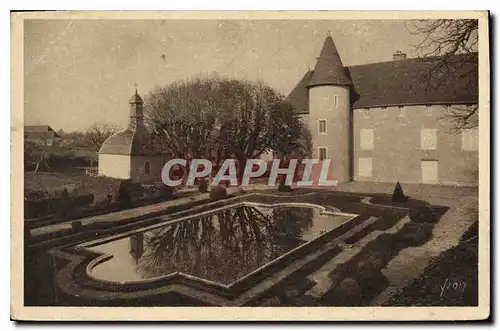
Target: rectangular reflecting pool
x,y
222,246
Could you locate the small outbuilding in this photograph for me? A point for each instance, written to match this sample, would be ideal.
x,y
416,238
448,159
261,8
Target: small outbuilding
x,y
130,154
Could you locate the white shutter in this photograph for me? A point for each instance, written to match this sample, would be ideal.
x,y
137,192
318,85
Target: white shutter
x,y
428,139
470,140
366,139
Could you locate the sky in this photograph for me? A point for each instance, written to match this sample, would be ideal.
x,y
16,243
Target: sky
x,y
81,72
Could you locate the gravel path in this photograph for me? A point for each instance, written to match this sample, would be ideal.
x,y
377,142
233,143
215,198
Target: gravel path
x,y
410,263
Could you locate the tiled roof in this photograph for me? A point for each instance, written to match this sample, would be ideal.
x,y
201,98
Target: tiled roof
x,y
39,135
132,141
404,82
299,97
329,68
33,130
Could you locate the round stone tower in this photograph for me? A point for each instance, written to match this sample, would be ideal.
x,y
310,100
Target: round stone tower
x,y
330,111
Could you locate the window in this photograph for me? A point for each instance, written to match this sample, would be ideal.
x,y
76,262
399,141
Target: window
x,y
365,167
401,111
336,101
322,126
428,139
470,140
384,111
366,139
147,168
322,153
367,112
428,110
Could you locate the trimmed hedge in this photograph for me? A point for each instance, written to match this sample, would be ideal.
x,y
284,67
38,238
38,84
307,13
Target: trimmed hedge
x,y
203,186
423,214
218,193
56,205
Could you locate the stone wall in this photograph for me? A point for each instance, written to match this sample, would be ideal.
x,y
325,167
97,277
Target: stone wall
x,y
398,154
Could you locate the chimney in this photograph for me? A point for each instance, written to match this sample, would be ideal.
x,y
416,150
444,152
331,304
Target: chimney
x,y
398,56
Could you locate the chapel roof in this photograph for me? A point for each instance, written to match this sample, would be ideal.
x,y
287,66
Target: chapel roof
x,y
134,140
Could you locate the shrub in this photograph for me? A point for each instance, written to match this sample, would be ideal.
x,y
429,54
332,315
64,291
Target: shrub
x,y
218,193
166,192
104,203
83,200
282,187
65,205
347,292
203,186
414,234
375,262
40,208
35,195
135,190
423,214
123,196
349,287
76,226
398,195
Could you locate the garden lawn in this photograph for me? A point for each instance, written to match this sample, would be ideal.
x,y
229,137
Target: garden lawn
x,y
74,182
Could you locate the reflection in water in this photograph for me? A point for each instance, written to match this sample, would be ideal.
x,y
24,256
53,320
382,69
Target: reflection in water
x,y
137,246
223,246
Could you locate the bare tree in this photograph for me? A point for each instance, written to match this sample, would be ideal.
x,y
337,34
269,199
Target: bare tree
x,y
98,133
182,117
257,120
37,154
219,118
452,44
446,37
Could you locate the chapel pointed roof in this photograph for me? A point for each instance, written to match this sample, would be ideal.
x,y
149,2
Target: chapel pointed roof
x,y
329,69
136,98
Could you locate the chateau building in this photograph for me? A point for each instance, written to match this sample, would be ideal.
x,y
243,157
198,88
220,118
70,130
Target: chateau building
x,y
391,121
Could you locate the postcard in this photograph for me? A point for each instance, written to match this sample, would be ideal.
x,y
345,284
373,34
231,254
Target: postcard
x,y
298,166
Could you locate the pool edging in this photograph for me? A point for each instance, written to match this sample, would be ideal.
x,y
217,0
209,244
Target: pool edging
x,y
230,291
105,256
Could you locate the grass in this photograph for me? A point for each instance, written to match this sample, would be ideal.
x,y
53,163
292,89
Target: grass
x,y
76,182
50,181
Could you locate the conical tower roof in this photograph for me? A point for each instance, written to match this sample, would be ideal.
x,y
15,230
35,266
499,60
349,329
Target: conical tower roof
x,y
329,69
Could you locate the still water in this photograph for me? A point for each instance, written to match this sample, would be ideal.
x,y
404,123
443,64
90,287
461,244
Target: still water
x,y
222,247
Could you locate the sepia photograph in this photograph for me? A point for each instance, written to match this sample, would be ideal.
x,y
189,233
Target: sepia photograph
x,y
320,165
